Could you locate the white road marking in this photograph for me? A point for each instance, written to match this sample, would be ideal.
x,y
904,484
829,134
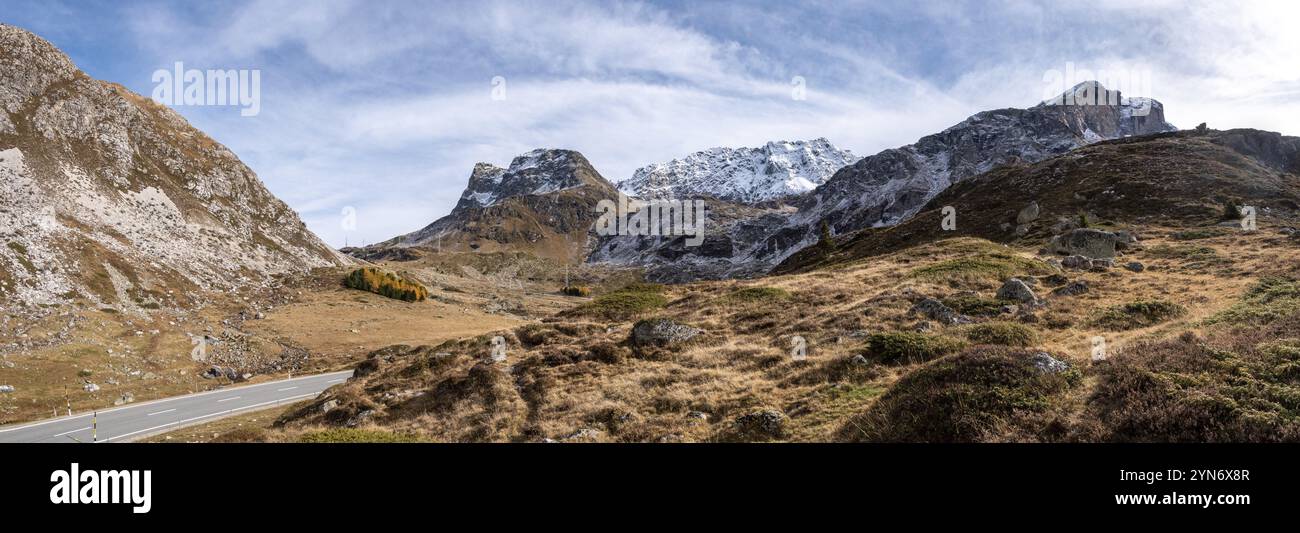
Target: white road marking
x,y
336,380
285,389
228,399
209,415
73,431
160,412
160,400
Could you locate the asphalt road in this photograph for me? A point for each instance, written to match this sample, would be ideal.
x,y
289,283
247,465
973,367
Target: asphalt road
x,y
140,420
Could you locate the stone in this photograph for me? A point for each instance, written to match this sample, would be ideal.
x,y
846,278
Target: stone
x,y
1072,289
764,424
936,310
1047,364
6,388
1076,262
697,415
1087,242
91,387
859,360
585,434
661,332
329,405
1134,266
1056,280
1028,214
1016,290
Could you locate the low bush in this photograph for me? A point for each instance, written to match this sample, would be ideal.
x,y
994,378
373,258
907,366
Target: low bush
x,y
984,394
1003,333
1138,314
904,347
625,303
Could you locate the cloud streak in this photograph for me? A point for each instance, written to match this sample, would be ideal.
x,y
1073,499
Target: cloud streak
x,y
386,106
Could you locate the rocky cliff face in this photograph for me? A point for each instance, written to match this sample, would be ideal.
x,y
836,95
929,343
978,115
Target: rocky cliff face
x,y
544,202
109,199
891,186
775,171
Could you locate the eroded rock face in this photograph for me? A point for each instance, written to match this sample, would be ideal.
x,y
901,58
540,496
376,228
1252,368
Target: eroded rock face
x,y
119,200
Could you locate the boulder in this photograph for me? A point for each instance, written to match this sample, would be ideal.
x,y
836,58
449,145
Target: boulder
x,y
1056,280
1047,364
1072,289
1078,262
1016,290
1087,242
1028,214
936,310
91,387
765,424
661,332
1135,266
6,388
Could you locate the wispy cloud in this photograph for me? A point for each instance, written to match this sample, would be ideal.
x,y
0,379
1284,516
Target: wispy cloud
x,y
386,106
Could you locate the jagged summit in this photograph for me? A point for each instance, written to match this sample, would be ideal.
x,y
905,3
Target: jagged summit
x,y
540,171
773,171
544,202
110,199
891,186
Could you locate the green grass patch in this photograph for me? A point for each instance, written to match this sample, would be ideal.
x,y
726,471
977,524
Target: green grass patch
x,y
759,295
1201,255
1268,300
1002,333
975,305
1197,234
992,266
1138,314
903,347
625,303
350,435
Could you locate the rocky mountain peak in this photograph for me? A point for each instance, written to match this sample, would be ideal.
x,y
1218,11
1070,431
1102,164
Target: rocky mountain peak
x,y
776,170
540,171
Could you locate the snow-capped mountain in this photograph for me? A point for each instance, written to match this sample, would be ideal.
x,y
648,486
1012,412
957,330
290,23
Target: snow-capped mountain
x,y
745,175
889,187
111,200
540,171
544,202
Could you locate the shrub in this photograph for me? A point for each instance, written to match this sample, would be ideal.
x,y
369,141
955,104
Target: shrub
x,y
902,347
1268,300
759,295
625,303
1185,390
386,284
983,394
244,434
350,435
575,290
975,305
1004,333
1139,314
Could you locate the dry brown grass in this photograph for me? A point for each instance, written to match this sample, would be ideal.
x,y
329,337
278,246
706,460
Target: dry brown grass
x,y
566,379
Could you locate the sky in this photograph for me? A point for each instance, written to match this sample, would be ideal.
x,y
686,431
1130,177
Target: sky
x,y
382,107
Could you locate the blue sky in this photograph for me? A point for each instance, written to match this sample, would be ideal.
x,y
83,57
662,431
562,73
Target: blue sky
x,y
384,106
